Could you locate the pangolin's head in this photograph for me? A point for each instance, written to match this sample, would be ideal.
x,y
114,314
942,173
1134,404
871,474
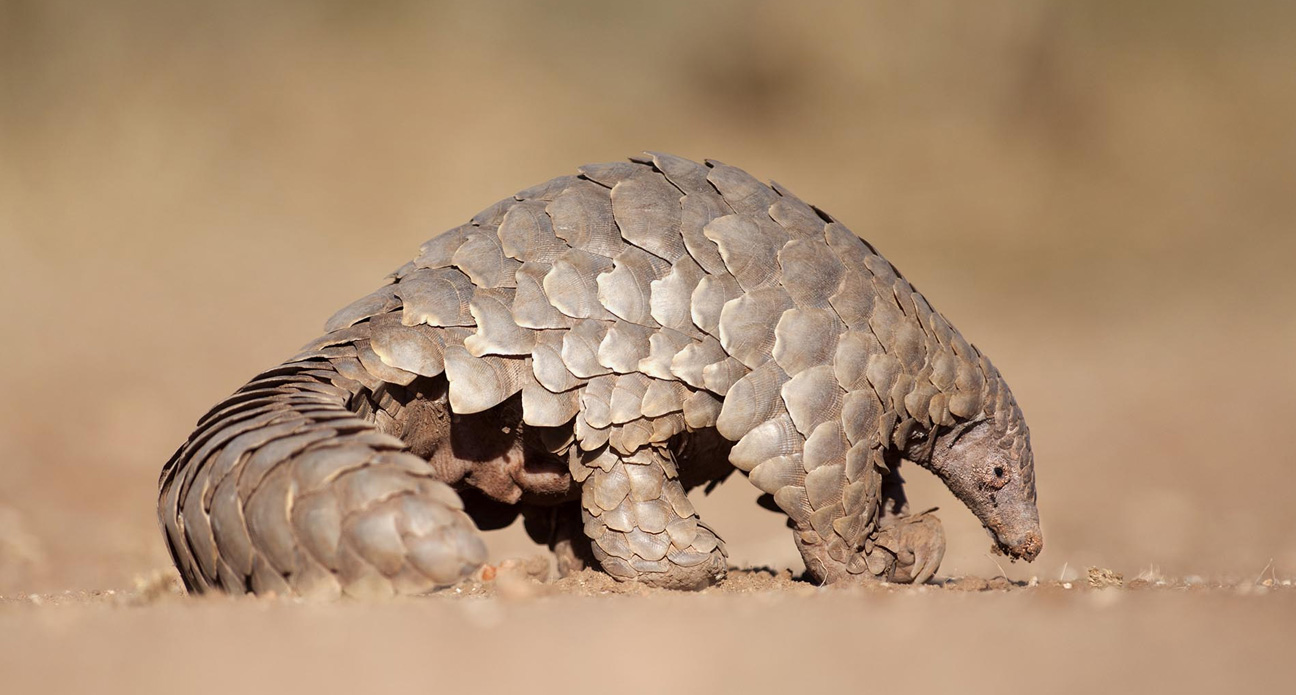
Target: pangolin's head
x,y
987,463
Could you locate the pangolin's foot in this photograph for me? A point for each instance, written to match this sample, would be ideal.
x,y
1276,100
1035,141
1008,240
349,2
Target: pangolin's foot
x,y
642,526
916,545
902,549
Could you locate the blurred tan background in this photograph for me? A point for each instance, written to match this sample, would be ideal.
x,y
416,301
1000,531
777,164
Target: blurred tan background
x,y
1101,195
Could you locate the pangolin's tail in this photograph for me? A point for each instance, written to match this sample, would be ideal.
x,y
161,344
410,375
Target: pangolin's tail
x,y
283,487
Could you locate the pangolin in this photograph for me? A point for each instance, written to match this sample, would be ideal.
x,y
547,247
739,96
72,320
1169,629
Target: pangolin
x,y
581,354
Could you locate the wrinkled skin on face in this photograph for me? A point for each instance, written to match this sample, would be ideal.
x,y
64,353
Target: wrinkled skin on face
x,y
988,465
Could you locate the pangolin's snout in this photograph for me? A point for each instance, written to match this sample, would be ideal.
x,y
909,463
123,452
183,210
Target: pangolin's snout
x,y
1023,546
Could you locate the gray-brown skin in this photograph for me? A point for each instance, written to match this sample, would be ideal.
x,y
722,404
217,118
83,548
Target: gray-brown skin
x,y
582,354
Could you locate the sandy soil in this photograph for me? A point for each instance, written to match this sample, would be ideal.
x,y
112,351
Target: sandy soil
x,y
758,632
1097,194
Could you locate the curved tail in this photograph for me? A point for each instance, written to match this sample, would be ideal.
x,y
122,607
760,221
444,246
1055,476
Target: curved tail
x,y
284,488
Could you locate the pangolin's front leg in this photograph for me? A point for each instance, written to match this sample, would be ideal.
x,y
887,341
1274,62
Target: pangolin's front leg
x,y
915,546
916,540
851,521
641,523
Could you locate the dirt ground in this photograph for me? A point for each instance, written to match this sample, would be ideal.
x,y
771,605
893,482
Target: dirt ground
x,y
760,631
1099,195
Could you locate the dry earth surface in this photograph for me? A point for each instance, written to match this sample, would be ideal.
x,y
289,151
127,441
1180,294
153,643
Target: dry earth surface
x,y
1098,194
760,631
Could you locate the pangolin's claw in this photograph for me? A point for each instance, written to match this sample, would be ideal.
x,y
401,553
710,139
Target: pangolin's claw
x,y
919,544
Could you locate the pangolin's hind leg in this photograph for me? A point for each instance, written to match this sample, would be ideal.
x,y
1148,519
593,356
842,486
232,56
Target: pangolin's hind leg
x,y
641,523
867,535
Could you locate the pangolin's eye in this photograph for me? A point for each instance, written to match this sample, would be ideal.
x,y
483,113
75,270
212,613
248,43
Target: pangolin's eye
x,y
998,471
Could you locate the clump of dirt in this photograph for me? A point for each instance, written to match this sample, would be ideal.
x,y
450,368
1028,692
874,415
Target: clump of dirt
x,y
156,586
748,581
1102,578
